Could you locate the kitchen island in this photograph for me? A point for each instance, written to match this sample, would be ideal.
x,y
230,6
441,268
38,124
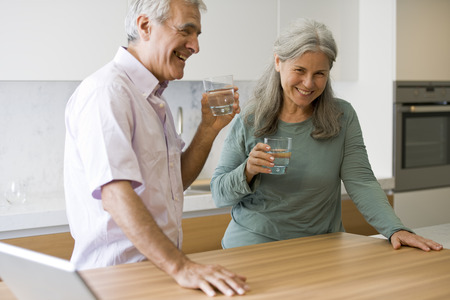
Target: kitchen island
x,y
438,233
330,266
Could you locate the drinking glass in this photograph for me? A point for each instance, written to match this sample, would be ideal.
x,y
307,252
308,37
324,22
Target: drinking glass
x,y
280,148
220,91
15,192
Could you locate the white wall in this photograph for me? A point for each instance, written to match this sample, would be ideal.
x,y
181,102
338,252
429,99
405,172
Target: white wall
x,y
341,17
58,39
237,37
372,94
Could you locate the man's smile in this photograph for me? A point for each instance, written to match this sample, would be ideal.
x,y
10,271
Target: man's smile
x,y
180,56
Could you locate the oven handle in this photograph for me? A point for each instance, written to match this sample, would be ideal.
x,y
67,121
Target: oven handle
x,y
426,108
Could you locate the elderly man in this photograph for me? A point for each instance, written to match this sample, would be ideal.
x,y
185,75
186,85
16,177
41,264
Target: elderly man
x,y
124,169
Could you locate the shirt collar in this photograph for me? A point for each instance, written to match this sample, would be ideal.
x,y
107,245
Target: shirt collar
x,y
142,78
161,88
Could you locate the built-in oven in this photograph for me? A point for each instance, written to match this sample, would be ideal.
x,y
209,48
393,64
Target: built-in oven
x,y
421,135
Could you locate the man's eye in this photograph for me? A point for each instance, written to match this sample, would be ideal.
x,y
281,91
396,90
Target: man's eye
x,y
185,31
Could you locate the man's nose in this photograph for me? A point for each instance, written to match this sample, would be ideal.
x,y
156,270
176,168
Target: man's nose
x,y
193,45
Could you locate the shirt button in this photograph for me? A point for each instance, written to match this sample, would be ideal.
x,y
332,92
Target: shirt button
x,y
161,105
171,165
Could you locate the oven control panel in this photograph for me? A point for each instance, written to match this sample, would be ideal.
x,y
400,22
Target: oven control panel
x,y
422,92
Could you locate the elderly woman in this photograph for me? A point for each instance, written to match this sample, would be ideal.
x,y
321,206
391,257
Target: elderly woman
x,y
294,98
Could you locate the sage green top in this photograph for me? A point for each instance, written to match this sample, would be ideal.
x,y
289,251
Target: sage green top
x,y
307,199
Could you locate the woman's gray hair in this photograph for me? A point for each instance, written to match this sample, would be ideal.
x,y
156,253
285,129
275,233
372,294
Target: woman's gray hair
x,y
155,10
264,106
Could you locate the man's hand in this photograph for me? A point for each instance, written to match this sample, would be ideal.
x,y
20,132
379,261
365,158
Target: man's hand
x,y
210,277
218,122
194,157
406,238
130,213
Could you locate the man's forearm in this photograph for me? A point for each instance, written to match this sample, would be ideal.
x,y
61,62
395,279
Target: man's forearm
x,y
195,156
130,213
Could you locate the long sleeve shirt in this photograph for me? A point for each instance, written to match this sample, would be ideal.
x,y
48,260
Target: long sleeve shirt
x,y
307,199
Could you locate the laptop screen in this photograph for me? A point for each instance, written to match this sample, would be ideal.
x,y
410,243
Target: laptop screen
x,y
34,276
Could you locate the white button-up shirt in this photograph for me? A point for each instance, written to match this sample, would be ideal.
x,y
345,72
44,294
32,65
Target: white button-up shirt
x,y
118,127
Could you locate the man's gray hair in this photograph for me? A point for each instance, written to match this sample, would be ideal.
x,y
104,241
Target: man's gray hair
x,y
156,10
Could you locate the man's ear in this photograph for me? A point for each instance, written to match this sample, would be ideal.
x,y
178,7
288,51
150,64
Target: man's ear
x,y
143,27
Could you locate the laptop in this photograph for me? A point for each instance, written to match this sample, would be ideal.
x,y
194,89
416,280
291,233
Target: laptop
x,y
32,275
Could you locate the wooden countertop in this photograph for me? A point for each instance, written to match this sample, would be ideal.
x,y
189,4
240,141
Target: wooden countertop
x,y
438,233
331,266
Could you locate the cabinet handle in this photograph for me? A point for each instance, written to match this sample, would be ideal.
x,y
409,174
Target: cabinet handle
x,y
180,120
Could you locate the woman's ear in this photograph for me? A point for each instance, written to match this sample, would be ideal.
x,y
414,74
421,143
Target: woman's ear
x,y
277,62
143,27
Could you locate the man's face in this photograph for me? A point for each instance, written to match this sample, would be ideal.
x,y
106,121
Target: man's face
x,y
172,43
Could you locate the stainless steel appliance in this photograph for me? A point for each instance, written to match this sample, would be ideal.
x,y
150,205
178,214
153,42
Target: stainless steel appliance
x,y
421,135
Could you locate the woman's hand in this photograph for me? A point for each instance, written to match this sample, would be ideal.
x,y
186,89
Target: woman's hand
x,y
406,238
258,161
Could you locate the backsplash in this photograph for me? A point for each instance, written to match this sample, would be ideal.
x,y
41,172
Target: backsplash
x,y
187,95
32,137
32,133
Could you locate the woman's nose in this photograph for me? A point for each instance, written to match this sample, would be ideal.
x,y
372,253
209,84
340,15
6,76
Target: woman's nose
x,y
308,81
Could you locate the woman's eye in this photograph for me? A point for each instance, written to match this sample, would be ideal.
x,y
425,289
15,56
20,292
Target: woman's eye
x,y
320,74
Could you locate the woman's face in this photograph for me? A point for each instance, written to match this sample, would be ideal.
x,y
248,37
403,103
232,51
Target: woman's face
x,y
303,79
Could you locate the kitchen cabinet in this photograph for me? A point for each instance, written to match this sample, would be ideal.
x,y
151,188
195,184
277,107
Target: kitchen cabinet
x,y
68,40
194,232
354,221
238,35
423,42
59,39
342,18
423,207
237,38
56,244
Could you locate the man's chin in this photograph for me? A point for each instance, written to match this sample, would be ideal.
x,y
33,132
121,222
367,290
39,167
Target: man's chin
x,y
178,76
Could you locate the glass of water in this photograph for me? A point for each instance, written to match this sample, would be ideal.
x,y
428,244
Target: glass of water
x,y
220,91
280,148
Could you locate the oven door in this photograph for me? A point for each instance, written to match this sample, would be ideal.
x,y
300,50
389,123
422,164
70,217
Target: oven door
x,y
421,146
